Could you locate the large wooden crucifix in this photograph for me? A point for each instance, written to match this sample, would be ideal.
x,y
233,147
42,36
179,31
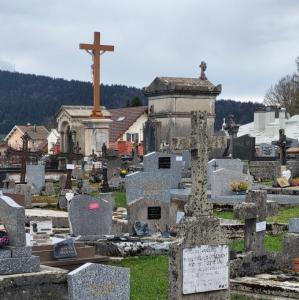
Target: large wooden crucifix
x,y
96,49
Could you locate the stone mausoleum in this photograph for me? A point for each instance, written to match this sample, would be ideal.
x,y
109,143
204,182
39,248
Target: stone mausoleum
x,y
170,102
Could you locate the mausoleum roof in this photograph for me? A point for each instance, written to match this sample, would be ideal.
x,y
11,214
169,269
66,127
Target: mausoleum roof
x,y
180,85
80,111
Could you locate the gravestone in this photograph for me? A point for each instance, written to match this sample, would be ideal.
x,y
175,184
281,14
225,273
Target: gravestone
x,y
255,210
152,212
244,147
62,181
25,190
91,217
199,260
267,150
16,257
99,282
294,225
222,179
161,173
220,163
40,231
49,189
35,175
64,249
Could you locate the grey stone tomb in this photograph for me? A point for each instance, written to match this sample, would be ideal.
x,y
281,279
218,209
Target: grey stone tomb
x,y
294,225
255,210
99,282
91,217
162,172
35,176
199,259
16,257
25,190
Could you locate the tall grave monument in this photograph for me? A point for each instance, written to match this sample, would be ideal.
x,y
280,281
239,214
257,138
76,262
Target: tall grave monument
x,y
199,260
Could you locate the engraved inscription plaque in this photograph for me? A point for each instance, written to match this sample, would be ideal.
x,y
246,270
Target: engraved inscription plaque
x,y
205,268
164,162
154,212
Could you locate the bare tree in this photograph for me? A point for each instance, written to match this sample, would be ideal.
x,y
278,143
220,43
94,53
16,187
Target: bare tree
x,y
285,93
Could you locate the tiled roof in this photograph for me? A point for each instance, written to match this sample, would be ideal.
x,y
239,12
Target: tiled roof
x,y
123,118
35,132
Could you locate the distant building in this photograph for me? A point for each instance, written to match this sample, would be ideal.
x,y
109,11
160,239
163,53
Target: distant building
x,y
126,127
266,125
53,142
38,137
171,101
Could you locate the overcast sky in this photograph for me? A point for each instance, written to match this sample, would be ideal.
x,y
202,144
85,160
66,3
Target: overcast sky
x,y
247,45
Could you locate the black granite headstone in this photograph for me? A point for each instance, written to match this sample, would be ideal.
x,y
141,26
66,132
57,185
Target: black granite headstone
x,y
64,249
164,162
244,147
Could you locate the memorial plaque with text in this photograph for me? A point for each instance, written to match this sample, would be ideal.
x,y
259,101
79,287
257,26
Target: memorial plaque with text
x,y
164,162
154,212
64,249
205,268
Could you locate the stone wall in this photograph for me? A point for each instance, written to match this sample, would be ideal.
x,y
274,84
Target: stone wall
x,y
265,170
293,165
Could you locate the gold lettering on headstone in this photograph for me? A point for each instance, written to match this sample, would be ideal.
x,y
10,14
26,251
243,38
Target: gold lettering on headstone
x,y
102,290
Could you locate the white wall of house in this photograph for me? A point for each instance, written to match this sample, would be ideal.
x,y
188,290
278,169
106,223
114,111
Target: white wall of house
x,y
135,129
52,140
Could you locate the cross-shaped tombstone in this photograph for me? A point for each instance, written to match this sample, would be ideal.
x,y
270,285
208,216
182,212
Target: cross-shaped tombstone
x,y
24,154
255,210
282,144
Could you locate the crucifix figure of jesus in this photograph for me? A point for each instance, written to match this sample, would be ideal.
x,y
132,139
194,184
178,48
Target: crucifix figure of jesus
x,y
96,49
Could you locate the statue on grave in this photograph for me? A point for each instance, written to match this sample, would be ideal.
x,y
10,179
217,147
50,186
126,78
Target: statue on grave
x,y
232,129
203,67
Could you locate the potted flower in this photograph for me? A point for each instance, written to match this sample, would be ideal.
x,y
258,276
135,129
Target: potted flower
x,y
295,182
239,187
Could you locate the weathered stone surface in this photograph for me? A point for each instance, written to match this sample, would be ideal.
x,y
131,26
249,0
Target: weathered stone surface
x,y
19,251
25,189
5,253
90,217
13,217
198,229
95,281
290,247
151,212
19,265
246,211
48,284
35,176
294,225
49,189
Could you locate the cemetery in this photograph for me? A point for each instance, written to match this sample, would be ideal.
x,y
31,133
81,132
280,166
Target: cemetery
x,y
185,214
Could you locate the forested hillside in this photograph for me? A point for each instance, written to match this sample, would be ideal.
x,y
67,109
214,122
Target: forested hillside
x,y
26,98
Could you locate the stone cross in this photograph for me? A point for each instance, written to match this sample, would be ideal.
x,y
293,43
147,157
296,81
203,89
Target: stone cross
x,y
199,259
198,204
255,210
24,154
203,67
96,49
282,143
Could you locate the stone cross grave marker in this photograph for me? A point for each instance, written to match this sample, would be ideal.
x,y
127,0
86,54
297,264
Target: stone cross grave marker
x,y
91,217
16,257
255,210
282,144
95,282
199,259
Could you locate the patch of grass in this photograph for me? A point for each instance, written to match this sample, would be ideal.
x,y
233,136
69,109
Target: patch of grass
x,y
120,199
149,277
273,243
284,214
224,214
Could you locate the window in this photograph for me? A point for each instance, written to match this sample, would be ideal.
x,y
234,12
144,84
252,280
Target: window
x,y
132,137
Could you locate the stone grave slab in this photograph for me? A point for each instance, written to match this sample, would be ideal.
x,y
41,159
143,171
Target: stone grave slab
x,y
99,282
294,225
90,217
25,190
151,212
221,163
221,180
35,176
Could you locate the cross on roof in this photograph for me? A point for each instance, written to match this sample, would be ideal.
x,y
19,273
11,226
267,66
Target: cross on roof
x,y
25,153
96,49
255,210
